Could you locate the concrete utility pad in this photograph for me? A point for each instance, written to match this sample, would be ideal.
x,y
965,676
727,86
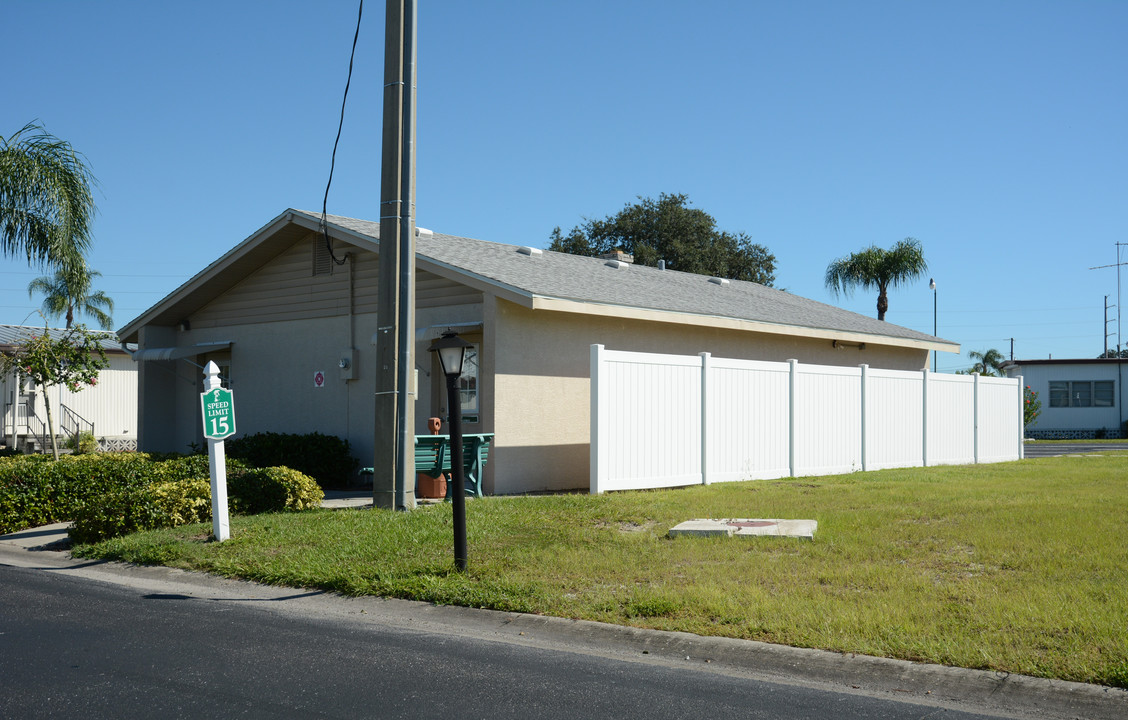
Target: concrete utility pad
x,y
730,527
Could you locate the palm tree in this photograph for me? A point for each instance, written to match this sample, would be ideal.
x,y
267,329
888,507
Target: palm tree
x,y
46,204
988,363
878,268
68,291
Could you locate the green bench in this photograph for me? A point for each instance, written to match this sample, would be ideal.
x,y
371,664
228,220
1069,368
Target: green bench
x,y
432,458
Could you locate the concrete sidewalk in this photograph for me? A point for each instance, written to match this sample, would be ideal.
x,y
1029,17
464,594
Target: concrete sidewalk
x,y
932,686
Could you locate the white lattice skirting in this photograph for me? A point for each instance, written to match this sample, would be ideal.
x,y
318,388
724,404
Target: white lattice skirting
x,y
117,444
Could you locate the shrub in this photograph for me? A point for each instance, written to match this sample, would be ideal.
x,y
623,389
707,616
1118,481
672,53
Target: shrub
x,y
34,490
273,489
83,444
323,457
131,509
182,467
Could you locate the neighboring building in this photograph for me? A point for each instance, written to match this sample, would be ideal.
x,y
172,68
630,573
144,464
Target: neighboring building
x,y
1080,398
108,409
278,316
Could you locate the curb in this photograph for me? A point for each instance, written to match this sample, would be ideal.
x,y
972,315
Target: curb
x,y
996,693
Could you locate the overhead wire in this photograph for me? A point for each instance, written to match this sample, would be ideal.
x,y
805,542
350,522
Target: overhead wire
x,y
323,225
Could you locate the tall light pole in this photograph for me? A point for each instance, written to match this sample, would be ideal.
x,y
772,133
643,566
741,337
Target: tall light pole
x,y
932,287
452,352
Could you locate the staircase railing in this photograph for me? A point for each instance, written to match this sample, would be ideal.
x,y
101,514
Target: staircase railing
x,y
72,424
35,427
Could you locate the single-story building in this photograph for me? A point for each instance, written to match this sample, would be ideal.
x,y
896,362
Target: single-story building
x,y
1080,398
108,409
278,316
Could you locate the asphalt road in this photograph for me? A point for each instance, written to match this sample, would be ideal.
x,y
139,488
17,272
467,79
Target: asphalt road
x,y
96,640
76,648
1035,450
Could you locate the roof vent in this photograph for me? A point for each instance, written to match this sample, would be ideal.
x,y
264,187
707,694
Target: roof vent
x,y
530,251
617,264
423,232
661,264
718,281
619,255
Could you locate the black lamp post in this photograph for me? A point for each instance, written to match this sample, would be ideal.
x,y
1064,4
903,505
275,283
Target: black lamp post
x,y
452,351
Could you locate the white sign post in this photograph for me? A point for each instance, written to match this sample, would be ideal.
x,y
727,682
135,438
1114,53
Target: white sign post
x,y
218,407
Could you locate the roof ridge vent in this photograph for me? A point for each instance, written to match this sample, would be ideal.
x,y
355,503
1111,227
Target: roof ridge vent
x,y
617,264
719,281
530,251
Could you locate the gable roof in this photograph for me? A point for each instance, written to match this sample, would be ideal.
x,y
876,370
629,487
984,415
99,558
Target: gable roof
x,y
547,280
12,336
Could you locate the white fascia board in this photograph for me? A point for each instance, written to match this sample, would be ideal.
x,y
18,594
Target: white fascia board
x,y
727,323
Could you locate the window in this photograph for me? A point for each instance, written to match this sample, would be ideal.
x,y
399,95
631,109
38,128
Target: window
x,y
1103,394
468,385
1082,393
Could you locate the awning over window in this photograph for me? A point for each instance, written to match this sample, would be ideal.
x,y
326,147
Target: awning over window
x,y
175,353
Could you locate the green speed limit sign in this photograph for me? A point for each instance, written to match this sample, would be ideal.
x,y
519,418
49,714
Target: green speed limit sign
x,y
219,413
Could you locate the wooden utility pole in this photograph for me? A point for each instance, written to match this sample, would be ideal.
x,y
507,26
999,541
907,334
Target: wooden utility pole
x,y
394,459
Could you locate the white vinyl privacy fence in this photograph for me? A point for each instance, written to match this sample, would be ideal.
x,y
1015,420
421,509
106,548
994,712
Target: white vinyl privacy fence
x,y
668,420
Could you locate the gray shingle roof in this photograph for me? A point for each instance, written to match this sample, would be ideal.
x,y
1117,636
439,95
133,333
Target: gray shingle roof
x,y
592,280
18,334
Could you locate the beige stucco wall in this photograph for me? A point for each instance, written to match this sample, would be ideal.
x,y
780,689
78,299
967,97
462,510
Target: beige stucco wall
x,y
541,370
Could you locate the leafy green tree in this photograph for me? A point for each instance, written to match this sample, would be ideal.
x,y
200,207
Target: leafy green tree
x,y
1114,354
46,204
68,291
877,268
989,362
1031,406
668,229
73,359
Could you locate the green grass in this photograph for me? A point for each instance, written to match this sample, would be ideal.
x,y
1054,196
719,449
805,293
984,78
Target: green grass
x,y
1019,567
1076,441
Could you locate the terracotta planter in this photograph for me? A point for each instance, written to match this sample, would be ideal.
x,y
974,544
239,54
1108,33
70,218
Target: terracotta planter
x,y
429,487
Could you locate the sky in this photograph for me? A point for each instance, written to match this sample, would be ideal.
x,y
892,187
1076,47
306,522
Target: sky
x,y
992,131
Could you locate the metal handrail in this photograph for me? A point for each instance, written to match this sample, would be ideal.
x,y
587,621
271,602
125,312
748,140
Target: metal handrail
x,y
35,426
73,424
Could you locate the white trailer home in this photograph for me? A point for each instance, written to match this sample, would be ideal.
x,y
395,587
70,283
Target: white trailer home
x,y
108,410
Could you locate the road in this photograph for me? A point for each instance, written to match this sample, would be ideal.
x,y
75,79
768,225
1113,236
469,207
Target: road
x,y
1035,450
96,640
73,648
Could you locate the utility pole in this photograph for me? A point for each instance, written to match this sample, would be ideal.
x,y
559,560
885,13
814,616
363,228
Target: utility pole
x,y
1106,332
1012,349
394,459
1118,264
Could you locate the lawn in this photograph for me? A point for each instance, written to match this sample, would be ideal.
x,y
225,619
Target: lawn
x,y
1019,567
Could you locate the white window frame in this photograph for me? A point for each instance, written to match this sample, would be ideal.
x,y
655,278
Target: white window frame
x,y
1083,393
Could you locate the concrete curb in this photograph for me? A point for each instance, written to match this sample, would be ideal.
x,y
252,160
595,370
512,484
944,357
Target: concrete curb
x,y
998,694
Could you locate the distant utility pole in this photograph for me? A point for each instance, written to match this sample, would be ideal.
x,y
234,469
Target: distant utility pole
x,y
394,456
1119,304
1106,321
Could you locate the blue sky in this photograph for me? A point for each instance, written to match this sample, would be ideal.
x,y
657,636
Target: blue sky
x,y
991,131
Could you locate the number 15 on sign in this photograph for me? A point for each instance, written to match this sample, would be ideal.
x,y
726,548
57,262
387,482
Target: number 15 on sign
x,y
218,407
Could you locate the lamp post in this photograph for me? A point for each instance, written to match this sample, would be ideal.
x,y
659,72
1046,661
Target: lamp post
x,y
452,351
932,287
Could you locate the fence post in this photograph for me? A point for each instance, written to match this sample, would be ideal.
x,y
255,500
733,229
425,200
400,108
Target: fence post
x,y
865,436
924,420
706,370
598,465
1022,418
791,451
975,419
